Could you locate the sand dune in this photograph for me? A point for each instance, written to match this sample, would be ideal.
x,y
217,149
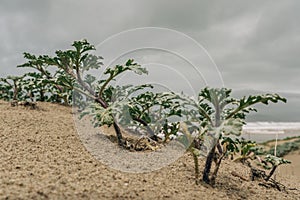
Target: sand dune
x,y
42,157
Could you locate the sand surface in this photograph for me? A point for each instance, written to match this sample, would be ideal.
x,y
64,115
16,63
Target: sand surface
x,y
42,157
292,170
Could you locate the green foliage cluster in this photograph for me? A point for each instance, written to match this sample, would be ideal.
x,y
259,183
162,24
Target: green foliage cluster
x,y
207,126
244,151
67,74
220,117
36,86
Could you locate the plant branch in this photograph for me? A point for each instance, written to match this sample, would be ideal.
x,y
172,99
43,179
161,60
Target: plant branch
x,y
218,164
196,162
271,173
105,84
149,130
208,163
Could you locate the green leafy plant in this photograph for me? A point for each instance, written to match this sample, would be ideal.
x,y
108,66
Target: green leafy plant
x,y
275,162
247,152
241,150
6,90
71,67
11,87
208,125
63,76
156,110
220,115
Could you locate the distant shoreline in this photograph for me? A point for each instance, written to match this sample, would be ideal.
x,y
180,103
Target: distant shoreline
x,y
264,131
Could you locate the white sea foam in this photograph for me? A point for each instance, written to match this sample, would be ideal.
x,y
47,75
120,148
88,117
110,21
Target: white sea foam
x,y
271,127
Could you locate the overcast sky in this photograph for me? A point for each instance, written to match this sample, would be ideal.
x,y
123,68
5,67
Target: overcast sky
x,y
255,44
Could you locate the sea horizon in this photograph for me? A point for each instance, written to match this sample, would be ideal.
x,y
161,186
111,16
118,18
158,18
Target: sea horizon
x,y
262,131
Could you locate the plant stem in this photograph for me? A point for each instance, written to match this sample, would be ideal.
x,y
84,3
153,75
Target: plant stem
x,y
149,130
196,162
119,134
105,84
214,175
208,163
42,96
99,100
16,90
271,173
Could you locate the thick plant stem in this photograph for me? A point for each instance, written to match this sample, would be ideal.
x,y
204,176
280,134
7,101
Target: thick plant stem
x,y
208,164
65,100
196,167
42,96
118,133
271,173
16,90
214,175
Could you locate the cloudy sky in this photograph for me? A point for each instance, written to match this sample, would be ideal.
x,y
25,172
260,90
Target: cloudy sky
x,y
255,44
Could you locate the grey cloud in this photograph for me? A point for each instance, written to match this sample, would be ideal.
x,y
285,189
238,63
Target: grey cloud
x,y
256,44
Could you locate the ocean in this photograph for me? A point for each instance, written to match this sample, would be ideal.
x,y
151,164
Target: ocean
x,y
264,131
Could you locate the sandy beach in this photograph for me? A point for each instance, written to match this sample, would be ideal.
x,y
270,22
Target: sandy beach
x,y
42,157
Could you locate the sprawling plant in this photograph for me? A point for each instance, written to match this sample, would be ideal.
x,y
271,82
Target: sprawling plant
x,y
241,150
252,155
67,74
70,74
146,113
220,115
272,162
11,87
210,122
6,90
156,110
33,86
